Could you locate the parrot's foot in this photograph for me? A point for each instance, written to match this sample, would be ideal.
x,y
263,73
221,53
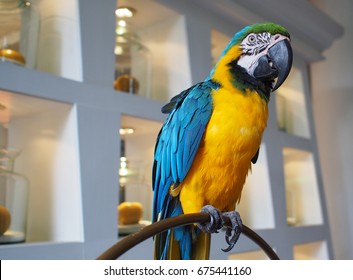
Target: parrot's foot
x,y
218,220
233,233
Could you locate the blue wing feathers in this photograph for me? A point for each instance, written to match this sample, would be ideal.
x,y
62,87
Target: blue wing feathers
x,y
176,147
175,137
174,167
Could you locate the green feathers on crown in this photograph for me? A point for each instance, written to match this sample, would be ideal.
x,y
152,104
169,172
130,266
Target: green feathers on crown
x,y
270,27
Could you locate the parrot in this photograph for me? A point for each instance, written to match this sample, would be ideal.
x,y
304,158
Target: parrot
x,y
212,135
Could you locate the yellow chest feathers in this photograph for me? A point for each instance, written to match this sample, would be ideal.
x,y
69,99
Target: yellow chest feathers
x,y
237,122
232,137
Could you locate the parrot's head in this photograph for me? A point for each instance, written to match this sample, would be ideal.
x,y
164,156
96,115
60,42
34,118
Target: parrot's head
x,y
259,56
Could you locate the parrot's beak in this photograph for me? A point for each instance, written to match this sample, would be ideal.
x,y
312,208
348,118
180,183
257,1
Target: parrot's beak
x,y
275,64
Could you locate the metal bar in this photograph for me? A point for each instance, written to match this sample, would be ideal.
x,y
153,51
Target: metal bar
x,y
132,240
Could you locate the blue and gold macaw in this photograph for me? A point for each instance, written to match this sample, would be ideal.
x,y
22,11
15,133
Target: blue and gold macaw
x,y
213,133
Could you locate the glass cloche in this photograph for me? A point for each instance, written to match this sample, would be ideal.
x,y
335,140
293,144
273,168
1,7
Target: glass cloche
x,y
19,24
132,60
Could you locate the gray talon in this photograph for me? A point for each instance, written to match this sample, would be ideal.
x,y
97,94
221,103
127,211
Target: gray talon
x,y
218,221
233,233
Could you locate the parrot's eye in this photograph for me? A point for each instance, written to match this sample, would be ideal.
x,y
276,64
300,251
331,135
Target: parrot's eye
x,y
255,43
252,39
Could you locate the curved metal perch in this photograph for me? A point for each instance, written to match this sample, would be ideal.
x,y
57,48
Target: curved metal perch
x,y
130,241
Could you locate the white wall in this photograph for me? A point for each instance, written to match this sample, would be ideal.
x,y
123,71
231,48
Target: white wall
x,y
332,88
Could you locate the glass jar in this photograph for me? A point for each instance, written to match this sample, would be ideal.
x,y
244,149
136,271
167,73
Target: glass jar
x,y
132,62
13,199
19,24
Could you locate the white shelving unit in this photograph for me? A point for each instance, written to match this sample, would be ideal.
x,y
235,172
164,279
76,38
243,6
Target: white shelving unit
x,y
139,154
292,116
311,251
250,255
46,133
302,194
68,129
257,196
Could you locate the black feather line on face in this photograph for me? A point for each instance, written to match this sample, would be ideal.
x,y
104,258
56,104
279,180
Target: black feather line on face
x,y
242,80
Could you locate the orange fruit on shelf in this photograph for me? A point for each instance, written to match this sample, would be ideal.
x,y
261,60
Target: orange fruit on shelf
x,y
130,213
12,55
5,219
127,83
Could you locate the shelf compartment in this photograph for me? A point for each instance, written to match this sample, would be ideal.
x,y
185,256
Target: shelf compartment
x,y
291,106
311,251
163,32
43,35
256,196
46,133
19,21
250,255
136,173
301,187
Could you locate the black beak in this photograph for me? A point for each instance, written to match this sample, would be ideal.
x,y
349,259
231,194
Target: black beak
x,y
281,57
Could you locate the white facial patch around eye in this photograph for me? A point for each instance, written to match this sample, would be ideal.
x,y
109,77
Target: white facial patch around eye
x,y
253,46
255,43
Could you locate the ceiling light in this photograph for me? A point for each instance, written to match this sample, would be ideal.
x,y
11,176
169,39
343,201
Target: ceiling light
x,y
122,23
125,12
126,130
